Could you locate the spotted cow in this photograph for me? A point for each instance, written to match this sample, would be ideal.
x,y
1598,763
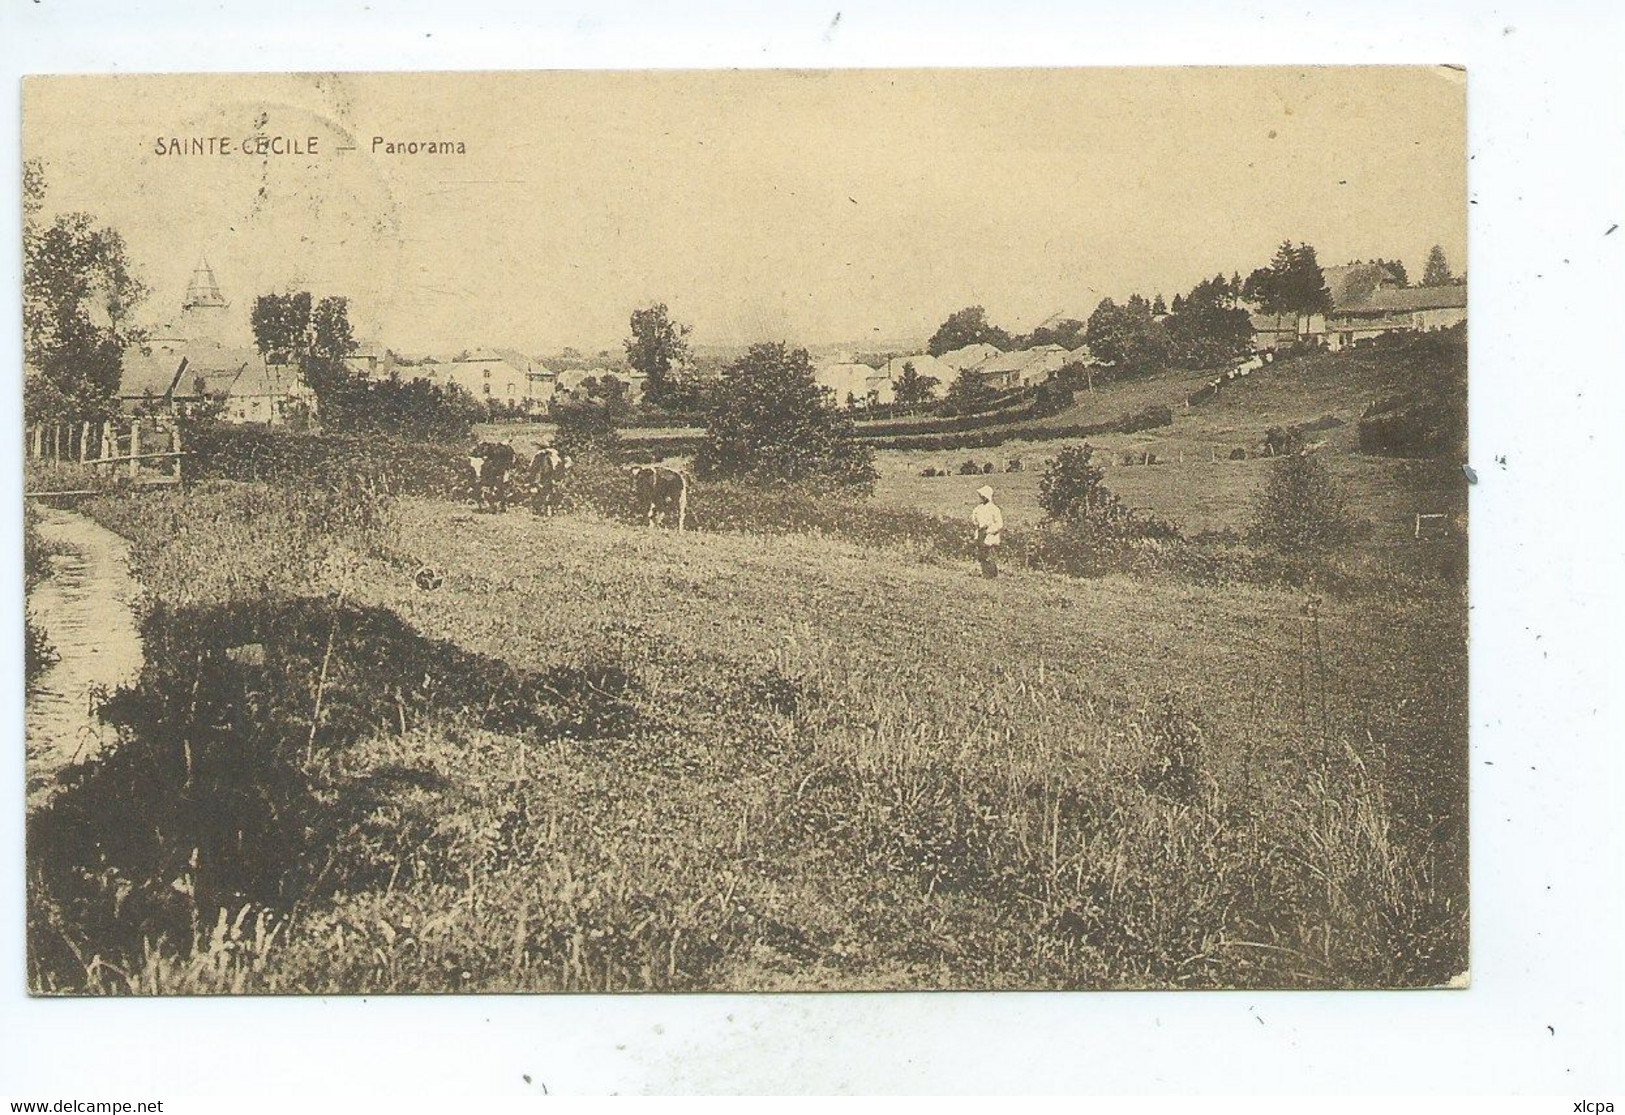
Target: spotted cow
x,y
546,477
661,493
491,466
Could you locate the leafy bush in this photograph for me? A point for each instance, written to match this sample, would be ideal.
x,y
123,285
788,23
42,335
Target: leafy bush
x,y
38,652
1427,417
1051,397
771,423
1281,441
330,461
1302,507
1073,486
586,429
1147,418
960,423
413,409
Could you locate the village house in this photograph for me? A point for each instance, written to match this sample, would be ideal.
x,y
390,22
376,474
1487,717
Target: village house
x,y
491,377
1084,356
969,357
1023,368
204,360
1409,309
850,384
1368,301
572,383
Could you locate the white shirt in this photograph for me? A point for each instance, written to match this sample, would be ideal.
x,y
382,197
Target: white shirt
x,y
989,521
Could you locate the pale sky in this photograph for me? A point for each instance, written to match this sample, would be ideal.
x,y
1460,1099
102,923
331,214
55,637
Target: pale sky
x,y
809,206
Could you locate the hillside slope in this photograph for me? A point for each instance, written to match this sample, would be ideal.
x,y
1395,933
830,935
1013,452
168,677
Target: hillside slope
x,y
725,762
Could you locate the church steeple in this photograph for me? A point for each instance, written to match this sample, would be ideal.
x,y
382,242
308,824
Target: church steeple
x,y
204,290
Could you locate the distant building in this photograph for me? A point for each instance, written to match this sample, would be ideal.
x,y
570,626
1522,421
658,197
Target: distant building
x,y
1083,355
1367,301
1023,368
849,384
205,359
1420,309
1275,331
970,356
489,376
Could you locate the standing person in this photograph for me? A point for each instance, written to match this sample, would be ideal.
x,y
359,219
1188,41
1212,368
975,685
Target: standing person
x,y
989,522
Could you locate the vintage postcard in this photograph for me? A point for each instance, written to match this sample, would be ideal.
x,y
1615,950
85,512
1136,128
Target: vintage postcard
x,y
746,531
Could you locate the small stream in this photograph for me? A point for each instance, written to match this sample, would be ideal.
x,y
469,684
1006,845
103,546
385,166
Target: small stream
x,y
87,610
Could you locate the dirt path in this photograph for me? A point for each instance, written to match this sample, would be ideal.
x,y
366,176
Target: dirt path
x,y
86,608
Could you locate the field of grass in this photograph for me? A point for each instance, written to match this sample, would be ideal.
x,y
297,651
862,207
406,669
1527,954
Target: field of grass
x,y
1195,485
1196,495
602,758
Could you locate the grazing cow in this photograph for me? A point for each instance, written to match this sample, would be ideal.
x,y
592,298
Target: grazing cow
x,y
490,465
547,471
661,492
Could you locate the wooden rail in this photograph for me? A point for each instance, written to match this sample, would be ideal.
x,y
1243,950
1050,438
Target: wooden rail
x,y
111,443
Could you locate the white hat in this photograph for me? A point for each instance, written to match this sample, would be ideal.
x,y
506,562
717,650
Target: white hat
x,y
985,492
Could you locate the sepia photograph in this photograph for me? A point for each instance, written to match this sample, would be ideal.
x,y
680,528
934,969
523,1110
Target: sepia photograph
x,y
746,531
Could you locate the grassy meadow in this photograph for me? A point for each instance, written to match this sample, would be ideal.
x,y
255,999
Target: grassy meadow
x,y
1193,482
819,755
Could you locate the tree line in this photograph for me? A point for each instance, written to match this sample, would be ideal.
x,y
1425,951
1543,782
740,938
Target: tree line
x,y
1206,325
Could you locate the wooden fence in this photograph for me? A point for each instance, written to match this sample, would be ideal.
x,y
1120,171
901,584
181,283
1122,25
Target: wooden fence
x,y
142,451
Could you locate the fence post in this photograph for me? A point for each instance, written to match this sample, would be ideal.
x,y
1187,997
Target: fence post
x,y
175,444
109,444
84,443
135,448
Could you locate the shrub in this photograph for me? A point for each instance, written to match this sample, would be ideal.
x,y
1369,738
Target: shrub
x,y
970,468
963,423
414,409
1280,441
1302,507
586,429
38,653
328,461
1051,397
1073,486
771,422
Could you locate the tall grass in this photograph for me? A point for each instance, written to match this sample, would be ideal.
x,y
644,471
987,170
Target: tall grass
x,y
715,784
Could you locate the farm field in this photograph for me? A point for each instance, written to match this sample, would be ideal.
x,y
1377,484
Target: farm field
x,y
1194,484
1196,496
631,759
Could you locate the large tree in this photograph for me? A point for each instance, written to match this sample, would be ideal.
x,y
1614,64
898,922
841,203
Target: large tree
x,y
1296,284
968,394
1126,335
289,329
658,347
1208,328
912,388
966,327
1067,332
1437,270
771,422
78,299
